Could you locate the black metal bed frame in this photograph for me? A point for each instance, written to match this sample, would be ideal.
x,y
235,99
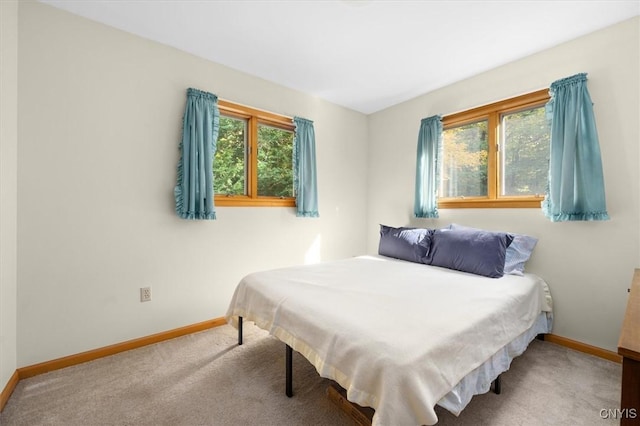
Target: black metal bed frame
x,y
497,383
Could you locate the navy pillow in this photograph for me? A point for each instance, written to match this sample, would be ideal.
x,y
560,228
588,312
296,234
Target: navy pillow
x,y
469,250
518,252
410,244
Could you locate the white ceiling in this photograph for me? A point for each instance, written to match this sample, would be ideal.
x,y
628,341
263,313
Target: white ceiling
x,y
363,54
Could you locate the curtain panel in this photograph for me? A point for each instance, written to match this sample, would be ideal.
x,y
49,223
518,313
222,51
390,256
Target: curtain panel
x,y
427,167
576,182
194,190
304,168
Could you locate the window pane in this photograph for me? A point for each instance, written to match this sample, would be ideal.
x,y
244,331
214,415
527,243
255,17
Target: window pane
x,y
464,161
229,174
275,168
524,156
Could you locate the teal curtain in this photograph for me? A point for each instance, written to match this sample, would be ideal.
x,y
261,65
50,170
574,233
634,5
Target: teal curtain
x,y
576,182
427,167
194,190
304,168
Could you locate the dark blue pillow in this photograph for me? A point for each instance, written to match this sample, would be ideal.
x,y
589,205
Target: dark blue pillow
x,y
469,250
410,244
518,252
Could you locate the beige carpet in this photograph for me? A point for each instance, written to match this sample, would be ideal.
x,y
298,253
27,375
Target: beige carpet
x,y
206,379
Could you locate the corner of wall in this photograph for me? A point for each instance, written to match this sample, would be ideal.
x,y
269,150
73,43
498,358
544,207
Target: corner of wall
x,y
8,186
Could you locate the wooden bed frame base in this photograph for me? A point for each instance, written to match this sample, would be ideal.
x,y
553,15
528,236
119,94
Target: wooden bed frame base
x,y
361,416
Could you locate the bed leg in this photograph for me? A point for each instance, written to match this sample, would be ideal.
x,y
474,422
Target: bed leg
x,y
289,372
497,385
239,330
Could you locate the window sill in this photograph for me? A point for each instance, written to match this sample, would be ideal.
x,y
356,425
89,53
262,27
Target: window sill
x,y
240,201
483,203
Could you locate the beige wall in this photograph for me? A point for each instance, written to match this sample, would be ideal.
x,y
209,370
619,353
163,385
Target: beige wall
x,y
8,187
588,265
100,116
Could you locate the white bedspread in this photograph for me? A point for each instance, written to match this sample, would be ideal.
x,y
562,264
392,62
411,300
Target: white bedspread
x,y
396,335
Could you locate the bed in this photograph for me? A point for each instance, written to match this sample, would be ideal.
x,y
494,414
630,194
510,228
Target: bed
x,y
398,336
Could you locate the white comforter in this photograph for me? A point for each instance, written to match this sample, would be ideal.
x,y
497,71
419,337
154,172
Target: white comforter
x,y
396,335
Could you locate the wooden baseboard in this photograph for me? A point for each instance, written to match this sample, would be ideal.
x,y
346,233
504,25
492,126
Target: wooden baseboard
x,y
68,361
583,347
8,389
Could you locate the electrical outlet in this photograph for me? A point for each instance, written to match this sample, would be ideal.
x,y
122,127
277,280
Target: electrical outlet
x,y
145,294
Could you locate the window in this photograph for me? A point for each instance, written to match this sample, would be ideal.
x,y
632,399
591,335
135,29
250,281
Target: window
x,y
496,155
253,161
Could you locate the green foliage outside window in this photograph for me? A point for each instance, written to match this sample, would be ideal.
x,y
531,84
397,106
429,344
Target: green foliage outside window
x,y
525,152
228,164
275,164
275,168
524,156
464,162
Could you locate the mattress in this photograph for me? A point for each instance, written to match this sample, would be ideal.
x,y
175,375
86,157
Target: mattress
x,y
397,336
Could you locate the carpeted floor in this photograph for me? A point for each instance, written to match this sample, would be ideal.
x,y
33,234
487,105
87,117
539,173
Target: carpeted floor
x,y
206,379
